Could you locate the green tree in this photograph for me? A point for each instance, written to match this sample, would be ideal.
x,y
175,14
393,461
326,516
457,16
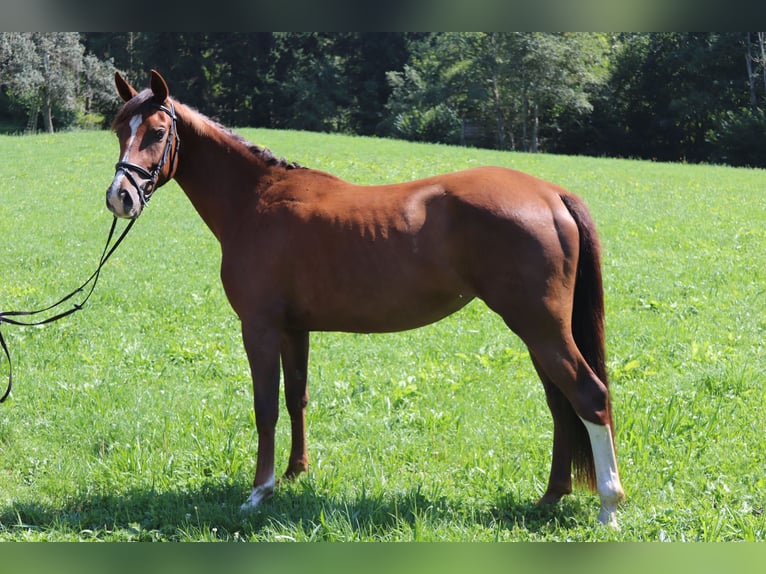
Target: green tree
x,y
556,75
671,91
510,84
738,137
422,107
50,76
321,81
366,59
309,87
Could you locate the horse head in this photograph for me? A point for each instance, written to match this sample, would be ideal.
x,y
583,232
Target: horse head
x,y
146,129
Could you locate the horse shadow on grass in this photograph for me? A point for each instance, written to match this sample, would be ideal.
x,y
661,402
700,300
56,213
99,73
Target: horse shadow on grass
x,y
295,512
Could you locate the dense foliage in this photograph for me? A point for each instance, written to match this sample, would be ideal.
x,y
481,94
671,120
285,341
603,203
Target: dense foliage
x,y
697,97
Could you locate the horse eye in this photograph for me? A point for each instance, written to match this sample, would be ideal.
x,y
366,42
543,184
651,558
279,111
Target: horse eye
x,y
159,133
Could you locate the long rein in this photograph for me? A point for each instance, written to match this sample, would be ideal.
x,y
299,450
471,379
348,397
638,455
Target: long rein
x,y
145,194
6,316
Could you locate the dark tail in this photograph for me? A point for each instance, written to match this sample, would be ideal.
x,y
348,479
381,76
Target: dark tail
x,y
588,331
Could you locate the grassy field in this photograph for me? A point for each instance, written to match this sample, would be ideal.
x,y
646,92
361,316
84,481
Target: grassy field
x,y
133,421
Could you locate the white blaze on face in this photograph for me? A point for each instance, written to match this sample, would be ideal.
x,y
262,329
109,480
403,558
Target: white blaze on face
x,y
113,198
134,123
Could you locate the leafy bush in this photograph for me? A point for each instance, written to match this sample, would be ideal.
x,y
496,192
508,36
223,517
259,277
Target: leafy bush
x,y
741,139
90,121
438,124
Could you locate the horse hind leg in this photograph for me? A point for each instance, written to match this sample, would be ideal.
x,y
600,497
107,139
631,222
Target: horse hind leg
x,y
578,400
295,357
607,476
591,452
560,479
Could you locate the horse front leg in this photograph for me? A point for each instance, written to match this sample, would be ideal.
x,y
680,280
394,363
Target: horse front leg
x,y
262,347
295,358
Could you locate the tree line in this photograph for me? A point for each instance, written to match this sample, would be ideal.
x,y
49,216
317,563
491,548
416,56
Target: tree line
x,y
695,97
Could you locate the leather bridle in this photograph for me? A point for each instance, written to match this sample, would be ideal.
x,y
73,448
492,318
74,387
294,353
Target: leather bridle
x,y
171,146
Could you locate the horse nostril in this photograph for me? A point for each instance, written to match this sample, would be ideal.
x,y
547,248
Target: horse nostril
x,y
127,201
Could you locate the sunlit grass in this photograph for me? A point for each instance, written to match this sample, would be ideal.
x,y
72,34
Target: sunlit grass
x,y
132,420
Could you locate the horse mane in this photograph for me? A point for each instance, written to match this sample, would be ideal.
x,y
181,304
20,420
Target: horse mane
x,y
202,125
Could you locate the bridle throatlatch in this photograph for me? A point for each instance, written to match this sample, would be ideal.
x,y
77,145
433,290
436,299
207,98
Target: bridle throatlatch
x,y
145,193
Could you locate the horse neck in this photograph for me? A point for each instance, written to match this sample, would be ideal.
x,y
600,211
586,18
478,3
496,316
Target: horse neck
x,y
217,171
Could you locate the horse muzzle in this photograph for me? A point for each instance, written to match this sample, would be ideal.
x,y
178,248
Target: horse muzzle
x,y
123,201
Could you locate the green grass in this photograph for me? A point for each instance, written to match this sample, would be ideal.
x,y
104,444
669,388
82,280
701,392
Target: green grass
x,y
132,420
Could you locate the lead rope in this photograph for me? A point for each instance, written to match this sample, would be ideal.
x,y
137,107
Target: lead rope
x,y
93,279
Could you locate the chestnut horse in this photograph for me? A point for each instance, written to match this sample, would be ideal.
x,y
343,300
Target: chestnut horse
x,y
303,250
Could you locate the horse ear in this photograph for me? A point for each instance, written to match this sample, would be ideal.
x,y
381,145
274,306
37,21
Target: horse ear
x,y
159,87
125,90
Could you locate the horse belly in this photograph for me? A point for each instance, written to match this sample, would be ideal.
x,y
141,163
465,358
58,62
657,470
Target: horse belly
x,y
378,298
378,316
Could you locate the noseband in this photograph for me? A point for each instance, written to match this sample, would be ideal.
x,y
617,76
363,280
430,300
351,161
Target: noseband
x,y
129,169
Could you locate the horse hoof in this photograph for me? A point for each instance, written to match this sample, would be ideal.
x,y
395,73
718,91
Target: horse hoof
x,y
552,496
608,516
258,495
295,469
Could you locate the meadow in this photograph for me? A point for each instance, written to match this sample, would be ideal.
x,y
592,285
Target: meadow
x,y
132,420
